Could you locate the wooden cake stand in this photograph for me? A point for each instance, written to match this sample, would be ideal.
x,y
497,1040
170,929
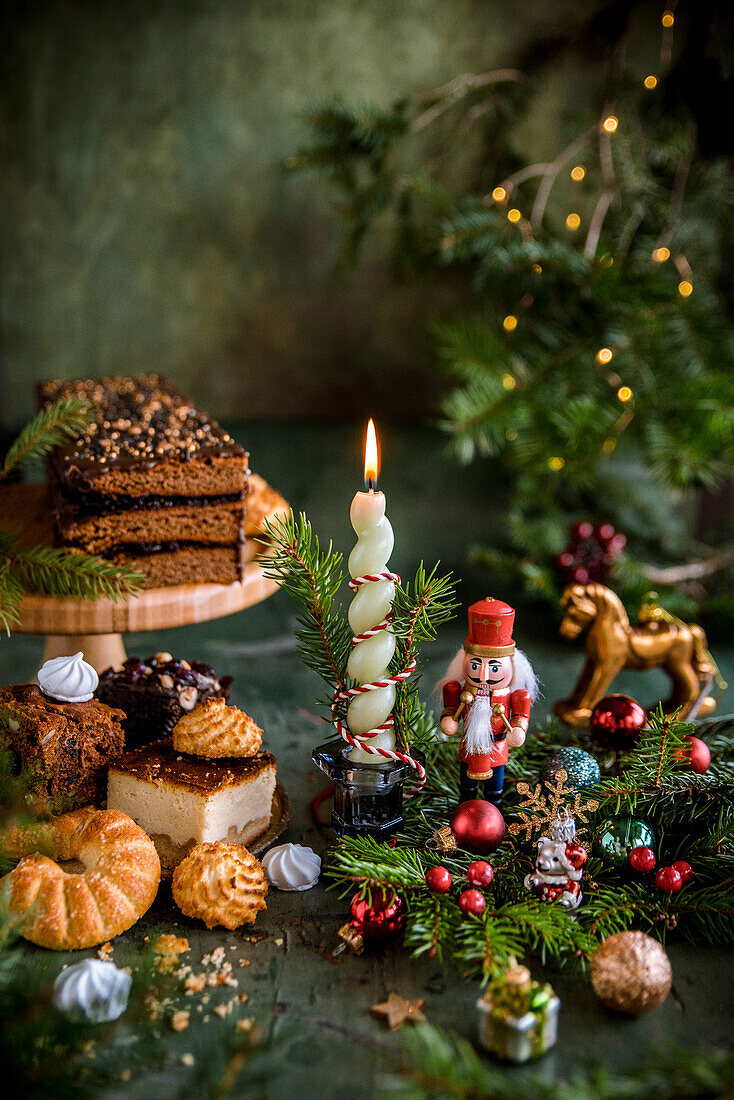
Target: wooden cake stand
x,y
97,626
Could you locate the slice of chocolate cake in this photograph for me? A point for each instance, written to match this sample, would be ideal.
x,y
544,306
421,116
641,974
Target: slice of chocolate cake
x,y
153,482
154,693
62,748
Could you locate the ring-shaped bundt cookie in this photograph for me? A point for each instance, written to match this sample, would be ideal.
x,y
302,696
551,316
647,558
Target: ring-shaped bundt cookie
x,y
64,910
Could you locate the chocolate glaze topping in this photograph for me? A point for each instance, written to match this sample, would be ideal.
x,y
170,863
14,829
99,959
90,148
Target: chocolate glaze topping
x,y
138,423
160,763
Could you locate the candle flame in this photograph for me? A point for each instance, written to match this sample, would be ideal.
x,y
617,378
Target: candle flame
x,y
371,457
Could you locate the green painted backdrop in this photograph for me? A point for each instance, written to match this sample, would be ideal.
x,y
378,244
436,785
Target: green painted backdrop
x,y
146,222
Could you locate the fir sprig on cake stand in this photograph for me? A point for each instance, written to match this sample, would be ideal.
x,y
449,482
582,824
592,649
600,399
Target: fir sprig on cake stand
x,y
692,814
54,571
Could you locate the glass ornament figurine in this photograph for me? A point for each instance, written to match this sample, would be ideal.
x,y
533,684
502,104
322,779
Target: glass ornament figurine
x,y
559,865
489,686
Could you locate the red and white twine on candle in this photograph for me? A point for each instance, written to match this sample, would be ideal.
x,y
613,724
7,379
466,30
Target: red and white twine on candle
x,y
361,740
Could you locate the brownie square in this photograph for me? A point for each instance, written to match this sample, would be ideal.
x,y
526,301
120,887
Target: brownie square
x,y
63,747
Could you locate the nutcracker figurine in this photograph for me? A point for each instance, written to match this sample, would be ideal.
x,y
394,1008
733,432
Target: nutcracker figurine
x,y
493,700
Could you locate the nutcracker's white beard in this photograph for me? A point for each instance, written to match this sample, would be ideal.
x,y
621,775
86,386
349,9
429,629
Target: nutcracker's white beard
x,y
478,735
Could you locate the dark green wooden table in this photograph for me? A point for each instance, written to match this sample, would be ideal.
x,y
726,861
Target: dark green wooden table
x,y
332,1046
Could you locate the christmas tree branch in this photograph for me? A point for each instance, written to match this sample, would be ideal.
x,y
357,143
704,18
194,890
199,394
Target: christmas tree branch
x,y
313,579
440,1065
528,386
60,572
56,424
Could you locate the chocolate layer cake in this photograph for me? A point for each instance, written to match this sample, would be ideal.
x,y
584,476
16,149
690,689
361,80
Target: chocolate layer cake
x,y
154,693
184,800
153,482
63,748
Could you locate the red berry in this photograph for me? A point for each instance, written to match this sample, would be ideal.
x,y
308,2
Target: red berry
x,y
565,560
642,859
471,901
604,533
684,870
617,544
669,880
583,530
480,873
580,575
438,880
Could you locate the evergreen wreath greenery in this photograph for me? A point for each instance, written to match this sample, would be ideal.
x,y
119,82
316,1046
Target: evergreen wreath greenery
x,y
54,571
692,814
589,358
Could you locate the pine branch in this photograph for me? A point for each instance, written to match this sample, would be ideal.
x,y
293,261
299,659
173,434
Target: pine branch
x,y
313,579
11,595
528,387
439,1065
56,424
57,571
418,611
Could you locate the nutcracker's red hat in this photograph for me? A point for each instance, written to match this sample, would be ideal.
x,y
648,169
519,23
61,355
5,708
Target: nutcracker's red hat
x,y
490,629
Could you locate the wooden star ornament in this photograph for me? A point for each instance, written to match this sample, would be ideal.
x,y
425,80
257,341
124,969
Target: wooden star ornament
x,y
396,1011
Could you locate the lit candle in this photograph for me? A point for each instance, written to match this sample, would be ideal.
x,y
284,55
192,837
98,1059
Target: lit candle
x,y
371,657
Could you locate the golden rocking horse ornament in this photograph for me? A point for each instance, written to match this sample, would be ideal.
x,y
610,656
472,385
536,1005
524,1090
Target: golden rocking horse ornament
x,y
659,640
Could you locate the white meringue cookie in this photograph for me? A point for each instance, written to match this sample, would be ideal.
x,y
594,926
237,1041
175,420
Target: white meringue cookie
x,y
292,867
92,990
68,679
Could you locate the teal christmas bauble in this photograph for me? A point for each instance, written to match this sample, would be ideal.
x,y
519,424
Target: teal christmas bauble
x,y
581,768
615,839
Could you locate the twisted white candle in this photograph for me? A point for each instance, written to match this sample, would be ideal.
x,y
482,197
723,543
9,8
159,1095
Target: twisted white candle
x,y
370,658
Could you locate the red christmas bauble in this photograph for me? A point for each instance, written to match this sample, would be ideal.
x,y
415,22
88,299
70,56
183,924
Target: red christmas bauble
x,y
381,920
669,880
471,901
479,873
684,869
642,859
478,826
697,754
616,722
438,880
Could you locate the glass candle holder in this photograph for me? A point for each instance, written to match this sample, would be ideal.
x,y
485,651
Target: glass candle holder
x,y
368,798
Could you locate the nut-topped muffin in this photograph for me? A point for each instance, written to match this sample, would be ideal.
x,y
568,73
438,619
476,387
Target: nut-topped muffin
x,y
154,693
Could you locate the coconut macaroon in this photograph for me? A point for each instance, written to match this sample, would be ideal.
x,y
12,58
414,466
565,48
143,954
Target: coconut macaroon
x,y
215,730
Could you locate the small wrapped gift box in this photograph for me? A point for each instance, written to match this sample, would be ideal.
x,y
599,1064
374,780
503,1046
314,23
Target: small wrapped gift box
x,y
518,1017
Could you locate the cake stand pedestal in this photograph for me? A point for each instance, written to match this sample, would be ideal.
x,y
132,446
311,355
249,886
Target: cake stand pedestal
x,y
97,626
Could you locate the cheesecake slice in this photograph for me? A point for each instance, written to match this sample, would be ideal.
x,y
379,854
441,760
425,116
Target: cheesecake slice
x,y
182,801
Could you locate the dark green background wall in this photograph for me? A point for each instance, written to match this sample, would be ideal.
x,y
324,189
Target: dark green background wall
x,y
146,222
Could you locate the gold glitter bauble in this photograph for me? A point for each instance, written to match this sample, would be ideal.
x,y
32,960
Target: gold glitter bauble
x,y
631,973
